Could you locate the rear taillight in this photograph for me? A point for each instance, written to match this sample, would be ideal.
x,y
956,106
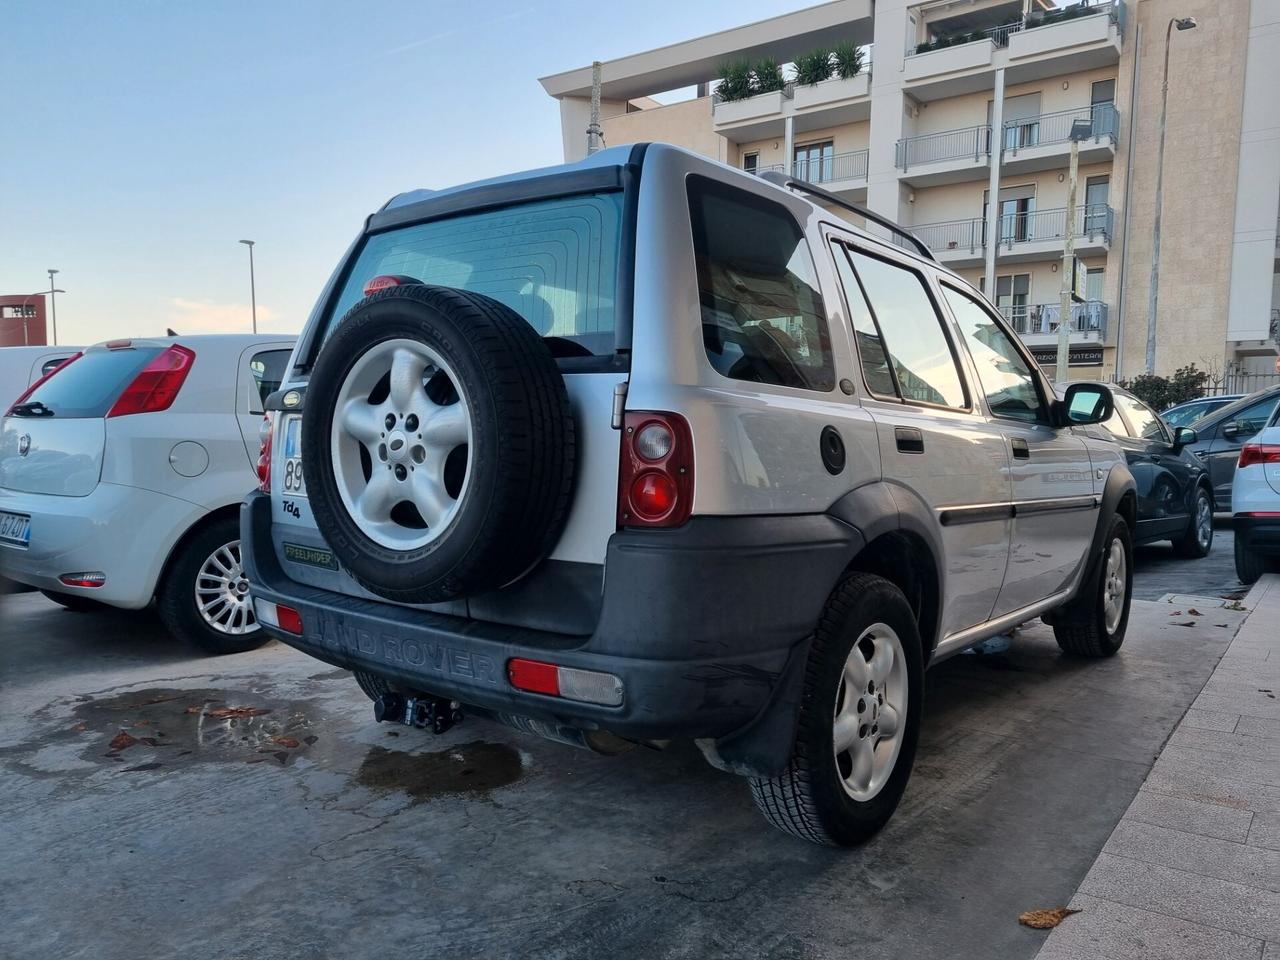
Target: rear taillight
x,y
384,280
89,579
655,474
32,389
264,453
1252,453
157,385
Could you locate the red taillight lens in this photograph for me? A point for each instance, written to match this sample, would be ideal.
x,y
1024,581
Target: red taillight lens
x,y
156,387
289,619
1252,453
88,579
32,389
264,454
655,474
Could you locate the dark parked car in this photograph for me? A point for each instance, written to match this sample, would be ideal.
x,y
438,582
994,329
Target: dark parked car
x,y
1175,500
1186,414
1221,434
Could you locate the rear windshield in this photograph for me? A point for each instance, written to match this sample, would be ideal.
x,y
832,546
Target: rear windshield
x,y
555,262
88,386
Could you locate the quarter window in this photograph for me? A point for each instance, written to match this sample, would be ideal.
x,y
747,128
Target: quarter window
x,y
762,314
268,369
909,338
1006,378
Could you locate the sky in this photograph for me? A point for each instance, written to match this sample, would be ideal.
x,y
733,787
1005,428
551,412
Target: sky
x,y
142,139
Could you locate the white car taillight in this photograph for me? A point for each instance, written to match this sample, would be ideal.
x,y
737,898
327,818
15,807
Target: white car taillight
x,y
264,453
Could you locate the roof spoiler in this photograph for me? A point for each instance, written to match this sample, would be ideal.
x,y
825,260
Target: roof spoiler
x,y
791,183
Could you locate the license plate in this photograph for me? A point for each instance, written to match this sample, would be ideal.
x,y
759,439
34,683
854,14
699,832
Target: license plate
x,y
15,529
292,481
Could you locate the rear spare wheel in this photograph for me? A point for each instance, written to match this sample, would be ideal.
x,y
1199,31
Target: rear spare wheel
x,y
438,444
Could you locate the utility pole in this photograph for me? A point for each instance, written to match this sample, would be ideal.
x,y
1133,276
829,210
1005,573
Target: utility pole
x,y
1068,262
1182,23
595,136
253,291
53,306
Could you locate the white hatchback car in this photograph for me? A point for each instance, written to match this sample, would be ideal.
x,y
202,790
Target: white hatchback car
x,y
121,474
1255,503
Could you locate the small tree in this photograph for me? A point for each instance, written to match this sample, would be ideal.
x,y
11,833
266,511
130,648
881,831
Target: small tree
x,y
813,68
848,59
735,80
1161,393
768,76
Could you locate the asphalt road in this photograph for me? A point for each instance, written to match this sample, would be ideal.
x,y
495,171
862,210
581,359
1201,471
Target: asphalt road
x,y
140,820
1158,572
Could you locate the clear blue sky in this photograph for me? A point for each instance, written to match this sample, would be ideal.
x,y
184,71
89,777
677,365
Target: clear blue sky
x,y
142,139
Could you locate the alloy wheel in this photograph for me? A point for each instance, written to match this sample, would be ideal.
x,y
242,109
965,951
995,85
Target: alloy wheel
x,y
1114,586
870,712
222,592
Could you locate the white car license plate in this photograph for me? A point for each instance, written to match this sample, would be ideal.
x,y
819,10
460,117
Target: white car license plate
x,y
15,528
292,482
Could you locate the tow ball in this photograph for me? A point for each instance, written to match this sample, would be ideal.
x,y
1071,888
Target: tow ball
x,y
434,713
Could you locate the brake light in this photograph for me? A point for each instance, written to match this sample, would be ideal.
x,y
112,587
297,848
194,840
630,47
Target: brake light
x,y
32,389
384,280
1252,453
157,385
655,474
264,453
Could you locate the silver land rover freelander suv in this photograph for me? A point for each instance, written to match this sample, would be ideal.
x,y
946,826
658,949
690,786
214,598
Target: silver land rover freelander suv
x,y
646,448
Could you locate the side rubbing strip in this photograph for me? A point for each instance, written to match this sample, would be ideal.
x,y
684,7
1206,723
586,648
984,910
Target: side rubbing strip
x,y
1027,508
976,513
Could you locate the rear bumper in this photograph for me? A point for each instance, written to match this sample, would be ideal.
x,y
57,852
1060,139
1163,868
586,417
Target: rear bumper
x,y
706,626
124,532
1258,534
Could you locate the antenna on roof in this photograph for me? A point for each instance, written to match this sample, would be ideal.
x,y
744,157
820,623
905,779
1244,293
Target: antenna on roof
x,y
595,136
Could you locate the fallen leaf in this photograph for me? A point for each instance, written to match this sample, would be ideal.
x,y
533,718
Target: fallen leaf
x,y
309,740
1045,919
222,713
1185,623
1175,613
285,742
193,709
149,741
121,741
80,728
143,766
1194,612
1219,624
143,723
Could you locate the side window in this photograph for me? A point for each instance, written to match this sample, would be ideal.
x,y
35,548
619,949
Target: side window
x,y
1252,418
763,318
921,360
871,352
268,369
1006,378
1145,422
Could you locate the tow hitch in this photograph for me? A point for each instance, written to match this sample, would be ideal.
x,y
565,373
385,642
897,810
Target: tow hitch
x,y
435,713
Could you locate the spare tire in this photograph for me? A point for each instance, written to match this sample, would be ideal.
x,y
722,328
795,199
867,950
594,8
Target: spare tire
x,y
438,444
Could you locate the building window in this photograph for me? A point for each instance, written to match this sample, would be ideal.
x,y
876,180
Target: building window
x,y
1097,194
813,161
1013,293
751,162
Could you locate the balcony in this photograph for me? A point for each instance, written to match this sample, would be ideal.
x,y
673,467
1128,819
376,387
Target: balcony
x,y
949,156
1044,142
1037,323
753,118
1024,237
813,106
952,62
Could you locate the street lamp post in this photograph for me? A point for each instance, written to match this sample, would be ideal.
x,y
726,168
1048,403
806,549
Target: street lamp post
x,y
53,306
253,293
1182,23
1080,130
22,308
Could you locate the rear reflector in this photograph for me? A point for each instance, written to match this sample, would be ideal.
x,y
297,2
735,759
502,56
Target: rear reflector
x,y
90,579
278,615
157,385
568,683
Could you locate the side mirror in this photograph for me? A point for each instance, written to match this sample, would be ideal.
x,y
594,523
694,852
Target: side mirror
x,y
1231,430
1184,437
1085,403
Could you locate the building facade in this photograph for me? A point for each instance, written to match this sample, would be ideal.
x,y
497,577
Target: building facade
x,y
957,100
22,320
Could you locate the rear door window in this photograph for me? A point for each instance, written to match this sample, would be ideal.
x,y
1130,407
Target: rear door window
x,y
87,386
1005,375
763,318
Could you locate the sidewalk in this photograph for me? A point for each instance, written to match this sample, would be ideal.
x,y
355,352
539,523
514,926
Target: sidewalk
x,y
1192,869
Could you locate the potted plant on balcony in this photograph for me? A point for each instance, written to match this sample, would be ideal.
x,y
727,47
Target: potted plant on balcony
x,y
812,68
768,76
848,58
735,81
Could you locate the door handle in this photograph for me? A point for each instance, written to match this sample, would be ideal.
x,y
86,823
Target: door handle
x,y
1156,458
908,439
1020,449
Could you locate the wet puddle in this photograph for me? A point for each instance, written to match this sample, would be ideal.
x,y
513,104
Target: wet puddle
x,y
474,768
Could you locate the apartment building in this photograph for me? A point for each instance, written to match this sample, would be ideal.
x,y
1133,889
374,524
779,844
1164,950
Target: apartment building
x,y
957,100
22,319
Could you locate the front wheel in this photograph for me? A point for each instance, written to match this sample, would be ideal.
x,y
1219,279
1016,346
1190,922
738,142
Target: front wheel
x,y
204,595
1093,624
1198,540
859,719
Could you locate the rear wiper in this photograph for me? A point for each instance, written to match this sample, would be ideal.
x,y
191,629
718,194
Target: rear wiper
x,y
32,408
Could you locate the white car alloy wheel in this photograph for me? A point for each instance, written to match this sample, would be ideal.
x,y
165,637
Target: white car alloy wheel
x,y
1114,586
222,592
871,705
401,432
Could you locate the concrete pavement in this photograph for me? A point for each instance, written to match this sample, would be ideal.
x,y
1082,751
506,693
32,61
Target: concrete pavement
x,y
1193,867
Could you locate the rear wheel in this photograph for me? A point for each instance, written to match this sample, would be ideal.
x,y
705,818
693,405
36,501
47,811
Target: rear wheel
x,y
1250,565
1093,625
1198,540
859,719
373,685
204,596
74,602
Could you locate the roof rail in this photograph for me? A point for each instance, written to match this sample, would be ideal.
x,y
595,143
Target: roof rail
x,y
792,183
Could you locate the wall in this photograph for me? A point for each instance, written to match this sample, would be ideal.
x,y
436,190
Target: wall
x,y
845,138
956,201
687,124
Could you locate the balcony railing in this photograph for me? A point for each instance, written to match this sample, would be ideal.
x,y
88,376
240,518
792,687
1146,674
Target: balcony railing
x,y
1051,128
1031,318
999,35
966,143
841,166
1092,220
